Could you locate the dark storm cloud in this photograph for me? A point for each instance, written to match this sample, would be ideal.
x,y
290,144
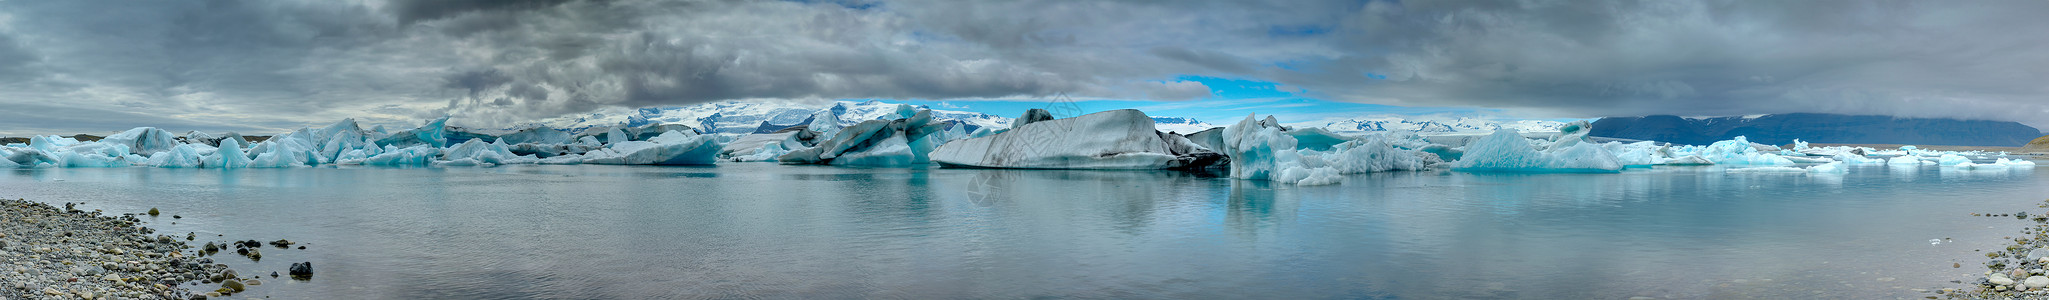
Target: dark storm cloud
x,y
284,64
1594,58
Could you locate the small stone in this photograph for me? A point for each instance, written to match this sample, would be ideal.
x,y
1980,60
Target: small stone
x,y
253,282
232,285
51,291
2036,282
213,294
1999,279
177,217
111,277
152,211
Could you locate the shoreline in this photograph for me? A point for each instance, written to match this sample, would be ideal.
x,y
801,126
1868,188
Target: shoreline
x,y
63,253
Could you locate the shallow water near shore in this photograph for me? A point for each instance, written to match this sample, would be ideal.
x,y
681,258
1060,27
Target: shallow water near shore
x,y
774,231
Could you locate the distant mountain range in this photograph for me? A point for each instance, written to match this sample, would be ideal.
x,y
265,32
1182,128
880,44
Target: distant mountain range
x,y
1181,125
1459,125
1780,129
752,116
749,116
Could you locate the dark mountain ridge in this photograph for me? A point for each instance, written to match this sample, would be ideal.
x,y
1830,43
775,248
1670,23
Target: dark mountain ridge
x,y
1780,129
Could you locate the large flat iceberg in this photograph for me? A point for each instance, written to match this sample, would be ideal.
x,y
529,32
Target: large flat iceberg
x,y
1115,139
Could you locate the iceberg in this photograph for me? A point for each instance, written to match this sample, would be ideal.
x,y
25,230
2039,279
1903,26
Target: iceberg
x,y
1115,139
393,156
229,156
1828,168
143,140
1951,159
1738,151
1508,151
433,134
1265,150
475,152
767,146
1904,160
1858,159
1689,160
670,148
902,142
182,156
1768,170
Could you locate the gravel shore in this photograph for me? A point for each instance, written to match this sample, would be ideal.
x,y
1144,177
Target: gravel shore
x,y
2016,271
60,253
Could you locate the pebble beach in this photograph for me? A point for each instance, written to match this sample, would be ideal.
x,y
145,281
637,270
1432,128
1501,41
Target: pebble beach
x,y
51,252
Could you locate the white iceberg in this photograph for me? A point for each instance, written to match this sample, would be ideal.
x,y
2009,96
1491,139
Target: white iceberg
x,y
1738,151
475,152
1828,168
1767,170
182,156
228,156
1951,159
1115,139
1905,160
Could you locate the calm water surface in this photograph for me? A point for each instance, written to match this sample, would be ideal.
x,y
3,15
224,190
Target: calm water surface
x,y
773,231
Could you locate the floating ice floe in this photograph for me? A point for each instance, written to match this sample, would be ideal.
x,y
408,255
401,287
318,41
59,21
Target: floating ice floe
x,y
1115,139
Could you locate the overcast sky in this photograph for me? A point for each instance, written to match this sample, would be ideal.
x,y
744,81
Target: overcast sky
x,y
93,66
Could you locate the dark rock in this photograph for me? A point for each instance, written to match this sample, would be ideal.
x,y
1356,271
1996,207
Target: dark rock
x,y
281,244
302,271
1031,116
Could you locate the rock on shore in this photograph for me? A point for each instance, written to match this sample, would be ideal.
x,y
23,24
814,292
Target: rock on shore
x,y
61,253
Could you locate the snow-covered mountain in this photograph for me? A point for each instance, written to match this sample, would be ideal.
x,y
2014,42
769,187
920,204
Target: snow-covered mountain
x,y
1181,125
1459,125
750,116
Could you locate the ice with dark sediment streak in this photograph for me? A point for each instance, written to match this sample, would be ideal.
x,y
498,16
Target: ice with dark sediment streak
x,y
1115,139
905,141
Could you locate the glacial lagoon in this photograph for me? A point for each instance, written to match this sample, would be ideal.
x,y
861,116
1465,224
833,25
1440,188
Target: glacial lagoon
x,y
761,230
